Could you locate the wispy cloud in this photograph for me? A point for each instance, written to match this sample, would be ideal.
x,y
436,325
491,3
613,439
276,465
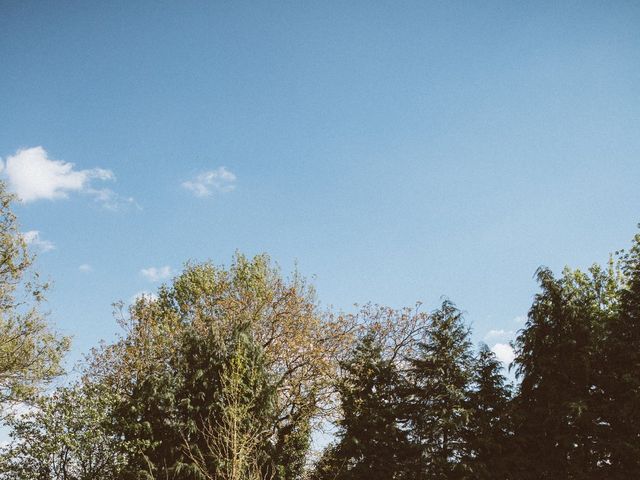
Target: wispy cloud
x,y
33,176
156,274
111,200
205,184
33,239
85,268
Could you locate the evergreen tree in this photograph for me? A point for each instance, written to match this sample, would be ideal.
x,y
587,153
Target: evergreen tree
x,y
438,410
488,436
622,383
371,445
559,408
232,441
293,441
213,392
164,406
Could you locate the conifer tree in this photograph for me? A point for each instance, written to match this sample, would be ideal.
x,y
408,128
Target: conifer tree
x,y
438,410
371,445
488,436
231,440
622,384
559,407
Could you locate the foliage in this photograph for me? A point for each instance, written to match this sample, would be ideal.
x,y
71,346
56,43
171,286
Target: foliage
x,y
228,372
231,443
621,374
168,364
66,436
488,435
437,410
371,444
558,409
30,352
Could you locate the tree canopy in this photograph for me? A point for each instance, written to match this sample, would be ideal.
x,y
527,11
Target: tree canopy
x,y
228,373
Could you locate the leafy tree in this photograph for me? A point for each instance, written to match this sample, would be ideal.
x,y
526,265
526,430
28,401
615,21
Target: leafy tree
x,y
168,364
66,436
438,412
488,435
30,352
148,414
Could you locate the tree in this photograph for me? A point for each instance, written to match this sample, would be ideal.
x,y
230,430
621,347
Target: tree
x,y
232,442
622,380
437,410
66,436
488,433
30,352
371,443
168,364
293,441
559,415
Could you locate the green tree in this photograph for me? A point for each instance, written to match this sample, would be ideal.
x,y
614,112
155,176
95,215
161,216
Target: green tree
x,y
30,352
232,441
293,440
488,434
438,412
559,418
66,436
168,364
371,445
622,380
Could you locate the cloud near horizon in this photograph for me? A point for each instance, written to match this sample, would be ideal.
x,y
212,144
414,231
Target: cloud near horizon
x,y
504,352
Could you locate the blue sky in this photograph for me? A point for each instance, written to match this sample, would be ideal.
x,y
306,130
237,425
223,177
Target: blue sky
x,y
398,151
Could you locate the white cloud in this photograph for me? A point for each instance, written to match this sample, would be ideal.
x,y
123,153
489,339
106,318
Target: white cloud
x,y
520,319
493,334
154,274
204,184
85,268
33,176
504,352
32,238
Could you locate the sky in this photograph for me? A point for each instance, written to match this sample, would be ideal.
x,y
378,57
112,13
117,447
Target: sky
x,y
395,151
